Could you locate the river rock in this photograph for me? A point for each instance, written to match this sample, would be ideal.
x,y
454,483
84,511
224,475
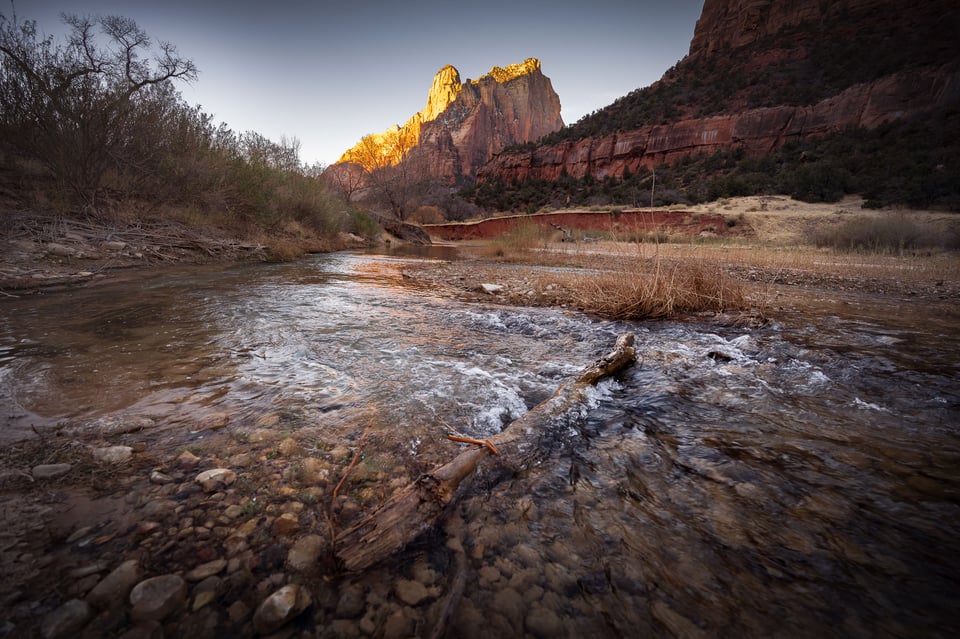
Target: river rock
x,y
399,624
208,569
113,589
157,597
216,479
280,608
144,630
315,471
114,455
289,447
160,478
113,246
50,471
214,421
285,524
187,460
491,289
411,592
60,250
352,603
305,552
544,623
67,620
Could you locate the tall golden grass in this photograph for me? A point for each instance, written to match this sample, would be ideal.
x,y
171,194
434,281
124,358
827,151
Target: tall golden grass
x,y
639,288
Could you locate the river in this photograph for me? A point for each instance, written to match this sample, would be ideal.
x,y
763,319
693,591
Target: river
x,y
794,480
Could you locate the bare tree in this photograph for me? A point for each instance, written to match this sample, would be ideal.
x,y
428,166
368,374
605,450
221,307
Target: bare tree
x,y
390,178
71,105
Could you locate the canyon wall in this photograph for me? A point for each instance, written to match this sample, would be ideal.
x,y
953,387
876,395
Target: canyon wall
x,y
905,51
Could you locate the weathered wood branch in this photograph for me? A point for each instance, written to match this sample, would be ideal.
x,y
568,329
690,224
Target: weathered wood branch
x,y
420,505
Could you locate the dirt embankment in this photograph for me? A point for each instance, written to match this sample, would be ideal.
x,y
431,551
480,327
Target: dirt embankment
x,y
44,251
626,223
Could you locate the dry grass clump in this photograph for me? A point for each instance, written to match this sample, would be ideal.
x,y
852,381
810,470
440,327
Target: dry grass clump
x,y
659,289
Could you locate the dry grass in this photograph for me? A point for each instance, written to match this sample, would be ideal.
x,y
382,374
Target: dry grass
x,y
658,289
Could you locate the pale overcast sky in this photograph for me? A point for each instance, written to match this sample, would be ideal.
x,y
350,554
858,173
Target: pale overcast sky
x,y
329,73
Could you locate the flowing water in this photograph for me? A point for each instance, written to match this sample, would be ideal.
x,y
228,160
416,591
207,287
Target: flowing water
x,y
794,480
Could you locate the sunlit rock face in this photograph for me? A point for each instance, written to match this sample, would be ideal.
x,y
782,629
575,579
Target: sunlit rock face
x,y
465,123
752,36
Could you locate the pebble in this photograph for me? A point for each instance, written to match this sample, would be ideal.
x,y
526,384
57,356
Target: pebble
x,y
67,620
144,630
280,608
160,478
543,623
351,604
411,592
157,597
113,589
305,552
208,569
187,459
114,455
214,421
285,524
50,471
216,479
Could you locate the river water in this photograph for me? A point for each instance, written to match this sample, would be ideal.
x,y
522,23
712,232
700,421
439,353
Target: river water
x,y
795,480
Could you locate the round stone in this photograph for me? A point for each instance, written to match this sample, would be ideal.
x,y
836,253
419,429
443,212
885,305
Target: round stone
x,y
157,597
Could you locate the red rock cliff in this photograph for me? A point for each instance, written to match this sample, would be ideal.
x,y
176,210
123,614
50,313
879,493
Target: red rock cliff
x,y
736,35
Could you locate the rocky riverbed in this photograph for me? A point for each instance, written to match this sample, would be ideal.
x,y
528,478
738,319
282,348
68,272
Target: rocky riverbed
x,y
228,538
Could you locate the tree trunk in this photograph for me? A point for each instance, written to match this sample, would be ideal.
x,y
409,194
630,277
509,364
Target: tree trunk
x,y
419,506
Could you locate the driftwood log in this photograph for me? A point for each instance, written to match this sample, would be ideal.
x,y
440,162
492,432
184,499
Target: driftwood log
x,y
420,505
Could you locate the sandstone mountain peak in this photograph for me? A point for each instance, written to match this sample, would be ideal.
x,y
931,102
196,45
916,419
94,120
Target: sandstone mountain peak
x,y
513,71
464,124
445,89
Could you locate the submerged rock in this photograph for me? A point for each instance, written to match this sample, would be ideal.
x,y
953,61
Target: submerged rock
x,y
50,471
216,479
155,598
280,608
115,587
67,620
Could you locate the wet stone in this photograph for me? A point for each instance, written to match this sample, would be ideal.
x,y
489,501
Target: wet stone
x,y
50,471
214,421
411,592
67,620
187,460
280,608
144,630
238,612
400,623
155,598
305,552
543,623
157,477
113,590
351,604
285,524
208,569
216,479
114,455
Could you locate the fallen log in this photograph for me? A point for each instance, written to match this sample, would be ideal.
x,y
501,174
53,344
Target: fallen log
x,y
419,506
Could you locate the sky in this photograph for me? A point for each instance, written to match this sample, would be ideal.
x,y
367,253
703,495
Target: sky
x,y
328,73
